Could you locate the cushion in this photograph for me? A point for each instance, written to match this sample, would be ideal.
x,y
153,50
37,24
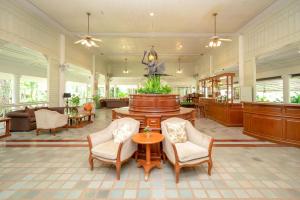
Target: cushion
x,y
176,132
122,133
107,150
189,151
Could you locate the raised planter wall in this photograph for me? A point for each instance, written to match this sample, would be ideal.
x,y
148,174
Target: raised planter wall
x,y
154,103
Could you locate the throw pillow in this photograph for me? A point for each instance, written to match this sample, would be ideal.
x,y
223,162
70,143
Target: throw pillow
x,y
176,132
122,133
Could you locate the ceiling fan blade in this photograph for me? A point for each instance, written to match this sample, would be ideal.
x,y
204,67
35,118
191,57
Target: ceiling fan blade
x,y
225,39
78,41
96,39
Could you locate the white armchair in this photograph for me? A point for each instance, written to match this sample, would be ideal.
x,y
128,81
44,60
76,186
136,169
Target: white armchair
x,y
49,120
196,150
103,147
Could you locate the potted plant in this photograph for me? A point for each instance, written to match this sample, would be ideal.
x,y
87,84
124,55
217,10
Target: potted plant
x,y
96,99
154,86
75,101
147,131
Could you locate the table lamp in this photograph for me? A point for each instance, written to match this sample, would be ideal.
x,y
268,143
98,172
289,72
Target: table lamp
x,y
67,96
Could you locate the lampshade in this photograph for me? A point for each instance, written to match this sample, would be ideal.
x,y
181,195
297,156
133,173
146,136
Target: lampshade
x,y
67,95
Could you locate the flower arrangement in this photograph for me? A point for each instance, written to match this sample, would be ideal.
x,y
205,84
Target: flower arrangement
x,y
147,131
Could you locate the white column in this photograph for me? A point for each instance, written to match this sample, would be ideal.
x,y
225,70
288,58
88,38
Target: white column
x,y
286,88
62,59
107,86
16,89
53,74
241,61
254,79
94,77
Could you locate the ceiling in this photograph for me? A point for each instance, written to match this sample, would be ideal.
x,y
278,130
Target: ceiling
x,y
127,29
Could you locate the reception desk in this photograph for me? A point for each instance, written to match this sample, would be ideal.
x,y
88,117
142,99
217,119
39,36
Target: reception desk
x,y
228,114
272,121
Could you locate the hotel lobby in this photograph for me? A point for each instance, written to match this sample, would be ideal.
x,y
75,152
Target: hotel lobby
x,y
149,99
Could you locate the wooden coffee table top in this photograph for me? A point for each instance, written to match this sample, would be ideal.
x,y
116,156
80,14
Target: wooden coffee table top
x,y
141,138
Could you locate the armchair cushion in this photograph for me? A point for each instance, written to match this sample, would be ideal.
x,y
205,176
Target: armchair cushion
x,y
107,150
176,132
122,133
189,151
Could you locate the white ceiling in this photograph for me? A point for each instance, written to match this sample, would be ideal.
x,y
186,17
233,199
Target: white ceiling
x,y
127,29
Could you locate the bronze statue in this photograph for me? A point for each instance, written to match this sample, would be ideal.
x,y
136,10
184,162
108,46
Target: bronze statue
x,y
154,67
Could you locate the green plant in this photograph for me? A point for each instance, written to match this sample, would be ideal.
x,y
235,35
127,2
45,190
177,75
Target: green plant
x,y
96,99
75,100
154,86
296,98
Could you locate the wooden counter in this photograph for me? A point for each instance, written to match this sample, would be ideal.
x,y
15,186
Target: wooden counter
x,y
271,121
228,114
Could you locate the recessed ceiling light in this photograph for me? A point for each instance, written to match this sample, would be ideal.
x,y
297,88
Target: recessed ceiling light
x,y
151,14
299,51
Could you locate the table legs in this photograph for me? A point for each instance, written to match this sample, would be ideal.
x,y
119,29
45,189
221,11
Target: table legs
x,y
148,164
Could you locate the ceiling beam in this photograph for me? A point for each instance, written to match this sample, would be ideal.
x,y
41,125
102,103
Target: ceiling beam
x,y
156,34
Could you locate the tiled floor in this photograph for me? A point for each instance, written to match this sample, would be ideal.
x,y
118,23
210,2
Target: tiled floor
x,y
63,172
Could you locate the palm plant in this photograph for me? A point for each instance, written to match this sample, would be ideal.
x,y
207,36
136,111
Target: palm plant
x,y
154,86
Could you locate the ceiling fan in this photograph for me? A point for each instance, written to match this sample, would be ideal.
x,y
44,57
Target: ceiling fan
x,y
88,40
216,41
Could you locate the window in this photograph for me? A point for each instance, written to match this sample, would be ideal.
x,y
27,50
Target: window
x,y
295,88
83,90
121,91
101,90
269,89
33,89
6,85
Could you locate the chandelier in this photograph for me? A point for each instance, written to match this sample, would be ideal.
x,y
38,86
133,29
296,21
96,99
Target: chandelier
x,y
125,71
179,70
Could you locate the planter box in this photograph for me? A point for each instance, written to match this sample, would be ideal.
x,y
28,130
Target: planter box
x,y
154,103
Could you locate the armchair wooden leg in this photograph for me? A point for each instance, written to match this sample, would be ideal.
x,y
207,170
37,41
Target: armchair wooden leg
x,y
91,161
118,168
164,157
210,164
136,154
177,172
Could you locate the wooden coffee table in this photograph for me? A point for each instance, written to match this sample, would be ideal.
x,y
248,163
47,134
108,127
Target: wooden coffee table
x,y
148,164
78,120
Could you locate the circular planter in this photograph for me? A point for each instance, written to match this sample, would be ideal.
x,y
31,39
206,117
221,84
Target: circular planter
x,y
154,103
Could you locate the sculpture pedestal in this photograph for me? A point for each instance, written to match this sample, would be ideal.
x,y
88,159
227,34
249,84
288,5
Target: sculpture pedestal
x,y
151,110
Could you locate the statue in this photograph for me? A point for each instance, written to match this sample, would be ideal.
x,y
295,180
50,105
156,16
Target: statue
x,y
154,67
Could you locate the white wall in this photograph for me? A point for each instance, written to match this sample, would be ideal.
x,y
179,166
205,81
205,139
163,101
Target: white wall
x,y
275,27
24,25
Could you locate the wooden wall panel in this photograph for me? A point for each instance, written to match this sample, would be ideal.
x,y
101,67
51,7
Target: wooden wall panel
x,y
276,122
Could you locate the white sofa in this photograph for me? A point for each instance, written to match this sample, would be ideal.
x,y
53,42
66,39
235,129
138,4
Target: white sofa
x,y
196,150
102,146
49,120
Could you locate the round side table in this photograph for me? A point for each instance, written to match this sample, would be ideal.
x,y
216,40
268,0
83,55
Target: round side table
x,y
148,164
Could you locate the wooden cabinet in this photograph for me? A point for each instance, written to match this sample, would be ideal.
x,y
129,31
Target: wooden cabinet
x,y
276,122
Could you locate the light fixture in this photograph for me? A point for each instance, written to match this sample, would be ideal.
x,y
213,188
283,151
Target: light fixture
x,y
151,14
179,46
216,41
125,71
179,70
88,40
